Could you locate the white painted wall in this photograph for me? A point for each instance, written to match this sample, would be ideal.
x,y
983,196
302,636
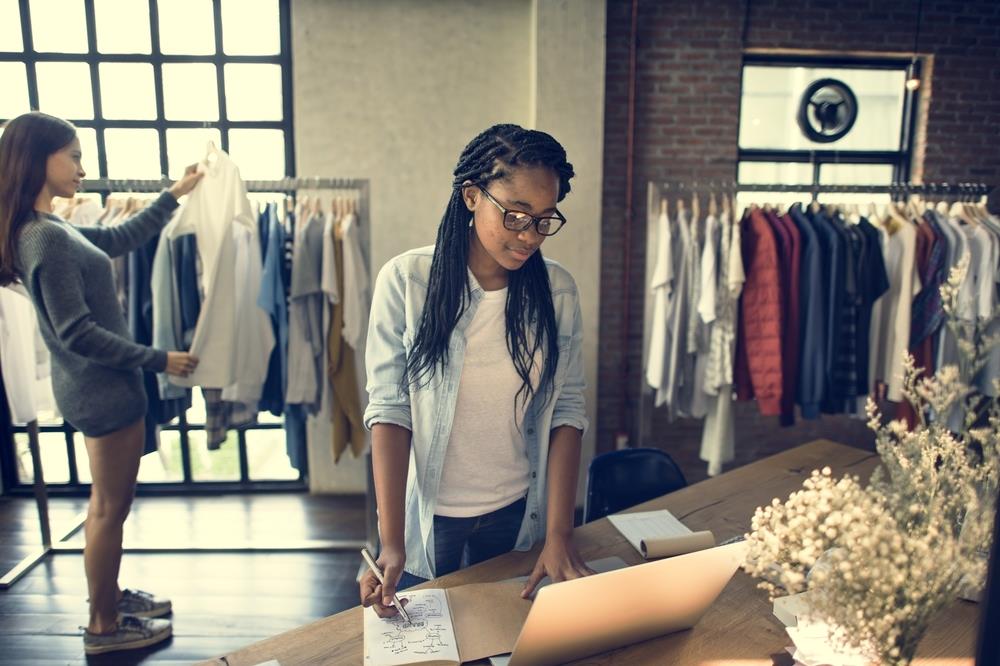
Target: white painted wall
x,y
392,90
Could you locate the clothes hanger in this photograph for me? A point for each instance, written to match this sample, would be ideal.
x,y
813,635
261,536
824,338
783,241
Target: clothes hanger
x,y
663,206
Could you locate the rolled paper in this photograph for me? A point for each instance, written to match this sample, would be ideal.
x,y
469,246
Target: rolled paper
x,y
669,547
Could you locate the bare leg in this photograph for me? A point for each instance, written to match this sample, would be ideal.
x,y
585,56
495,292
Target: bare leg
x,y
114,466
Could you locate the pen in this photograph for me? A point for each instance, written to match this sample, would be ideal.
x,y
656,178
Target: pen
x,y
370,561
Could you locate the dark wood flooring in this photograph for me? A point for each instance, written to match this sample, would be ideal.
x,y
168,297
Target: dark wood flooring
x,y
221,600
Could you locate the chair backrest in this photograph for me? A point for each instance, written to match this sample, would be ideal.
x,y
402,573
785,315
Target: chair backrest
x,y
620,479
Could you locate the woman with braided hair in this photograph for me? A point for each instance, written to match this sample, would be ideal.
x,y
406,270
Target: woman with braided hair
x,y
475,377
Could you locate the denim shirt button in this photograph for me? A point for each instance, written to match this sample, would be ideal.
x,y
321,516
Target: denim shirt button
x,y
534,474
534,516
531,431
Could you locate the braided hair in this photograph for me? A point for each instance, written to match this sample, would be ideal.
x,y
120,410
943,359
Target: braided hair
x,y
529,312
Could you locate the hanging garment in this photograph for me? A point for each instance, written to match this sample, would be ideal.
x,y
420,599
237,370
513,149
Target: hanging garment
x,y
213,209
661,288
718,442
873,284
272,301
221,416
175,301
23,357
947,343
305,317
678,316
758,364
140,319
891,332
348,426
786,254
255,337
813,331
356,288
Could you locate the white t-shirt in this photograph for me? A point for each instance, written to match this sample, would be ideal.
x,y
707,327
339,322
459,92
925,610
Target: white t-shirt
x,y
217,204
486,464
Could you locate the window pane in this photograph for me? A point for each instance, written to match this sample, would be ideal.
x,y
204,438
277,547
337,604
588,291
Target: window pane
x,y
196,414
785,173
164,464
186,27
251,27
132,153
14,83
267,457
771,98
64,89
190,92
855,174
187,146
260,154
88,146
10,26
67,34
127,91
253,92
55,463
122,26
82,458
222,464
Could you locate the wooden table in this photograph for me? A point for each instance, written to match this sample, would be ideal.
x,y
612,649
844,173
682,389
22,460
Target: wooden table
x,y
739,629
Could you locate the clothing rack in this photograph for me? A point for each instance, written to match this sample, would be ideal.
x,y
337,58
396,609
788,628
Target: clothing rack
x,y
289,186
658,190
896,189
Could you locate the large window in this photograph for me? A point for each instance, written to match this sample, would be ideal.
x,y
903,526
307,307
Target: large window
x,y
773,148
149,83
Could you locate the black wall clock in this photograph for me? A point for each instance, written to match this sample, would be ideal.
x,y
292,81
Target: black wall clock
x,y
827,111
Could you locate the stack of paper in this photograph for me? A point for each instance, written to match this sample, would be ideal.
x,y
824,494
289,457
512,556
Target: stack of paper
x,y
660,534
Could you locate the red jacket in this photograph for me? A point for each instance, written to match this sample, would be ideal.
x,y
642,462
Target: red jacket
x,y
758,371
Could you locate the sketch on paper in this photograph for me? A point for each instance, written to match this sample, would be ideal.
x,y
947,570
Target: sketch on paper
x,y
428,636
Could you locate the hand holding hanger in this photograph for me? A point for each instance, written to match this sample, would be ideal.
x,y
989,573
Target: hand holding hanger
x,y
187,182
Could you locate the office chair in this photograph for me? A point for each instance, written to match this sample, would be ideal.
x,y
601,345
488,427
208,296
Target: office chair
x,y
620,479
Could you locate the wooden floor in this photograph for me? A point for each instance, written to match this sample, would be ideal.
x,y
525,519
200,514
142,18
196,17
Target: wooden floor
x,y
221,601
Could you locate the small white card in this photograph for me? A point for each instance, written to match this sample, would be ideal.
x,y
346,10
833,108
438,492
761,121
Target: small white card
x,y
648,525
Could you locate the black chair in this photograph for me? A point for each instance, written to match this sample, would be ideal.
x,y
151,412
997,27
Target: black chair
x,y
620,479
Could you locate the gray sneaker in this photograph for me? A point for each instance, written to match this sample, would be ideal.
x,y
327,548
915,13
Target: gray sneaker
x,y
131,633
142,604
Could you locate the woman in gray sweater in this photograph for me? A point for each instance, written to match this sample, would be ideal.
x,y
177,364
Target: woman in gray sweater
x,y
96,366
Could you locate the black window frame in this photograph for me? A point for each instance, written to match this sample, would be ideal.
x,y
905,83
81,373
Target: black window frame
x,y
12,485
900,160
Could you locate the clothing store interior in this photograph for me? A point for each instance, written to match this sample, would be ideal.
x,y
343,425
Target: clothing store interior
x,y
266,264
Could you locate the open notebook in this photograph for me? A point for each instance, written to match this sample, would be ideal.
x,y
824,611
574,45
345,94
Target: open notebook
x,y
447,626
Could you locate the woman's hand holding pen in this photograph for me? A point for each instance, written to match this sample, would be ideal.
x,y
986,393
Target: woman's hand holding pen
x,y
391,561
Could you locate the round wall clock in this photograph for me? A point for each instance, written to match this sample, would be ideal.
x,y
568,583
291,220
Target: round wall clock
x,y
827,111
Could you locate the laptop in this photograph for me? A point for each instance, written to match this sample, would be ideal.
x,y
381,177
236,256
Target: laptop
x,y
587,616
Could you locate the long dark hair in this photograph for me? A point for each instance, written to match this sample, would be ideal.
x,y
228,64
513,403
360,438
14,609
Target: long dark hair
x,y
530,315
25,146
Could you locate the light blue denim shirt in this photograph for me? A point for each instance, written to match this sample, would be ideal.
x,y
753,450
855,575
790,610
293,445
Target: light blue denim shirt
x,y
428,412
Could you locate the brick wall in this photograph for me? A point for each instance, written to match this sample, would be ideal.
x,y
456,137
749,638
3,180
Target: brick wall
x,y
688,88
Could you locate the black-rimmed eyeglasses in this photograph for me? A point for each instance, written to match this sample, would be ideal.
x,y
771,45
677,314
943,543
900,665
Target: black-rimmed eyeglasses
x,y
516,220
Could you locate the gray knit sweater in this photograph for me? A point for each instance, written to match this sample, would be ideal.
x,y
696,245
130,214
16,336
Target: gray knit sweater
x,y
96,377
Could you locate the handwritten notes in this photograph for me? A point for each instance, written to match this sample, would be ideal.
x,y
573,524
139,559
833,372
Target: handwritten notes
x,y
430,636
648,525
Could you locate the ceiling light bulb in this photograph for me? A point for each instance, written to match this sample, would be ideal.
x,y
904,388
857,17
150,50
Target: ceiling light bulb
x,y
912,83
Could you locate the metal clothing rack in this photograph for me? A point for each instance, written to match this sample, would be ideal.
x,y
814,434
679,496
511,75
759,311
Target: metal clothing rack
x,y
658,190
969,190
290,186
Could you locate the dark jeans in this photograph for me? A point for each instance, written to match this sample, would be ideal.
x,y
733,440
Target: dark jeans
x,y
483,536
